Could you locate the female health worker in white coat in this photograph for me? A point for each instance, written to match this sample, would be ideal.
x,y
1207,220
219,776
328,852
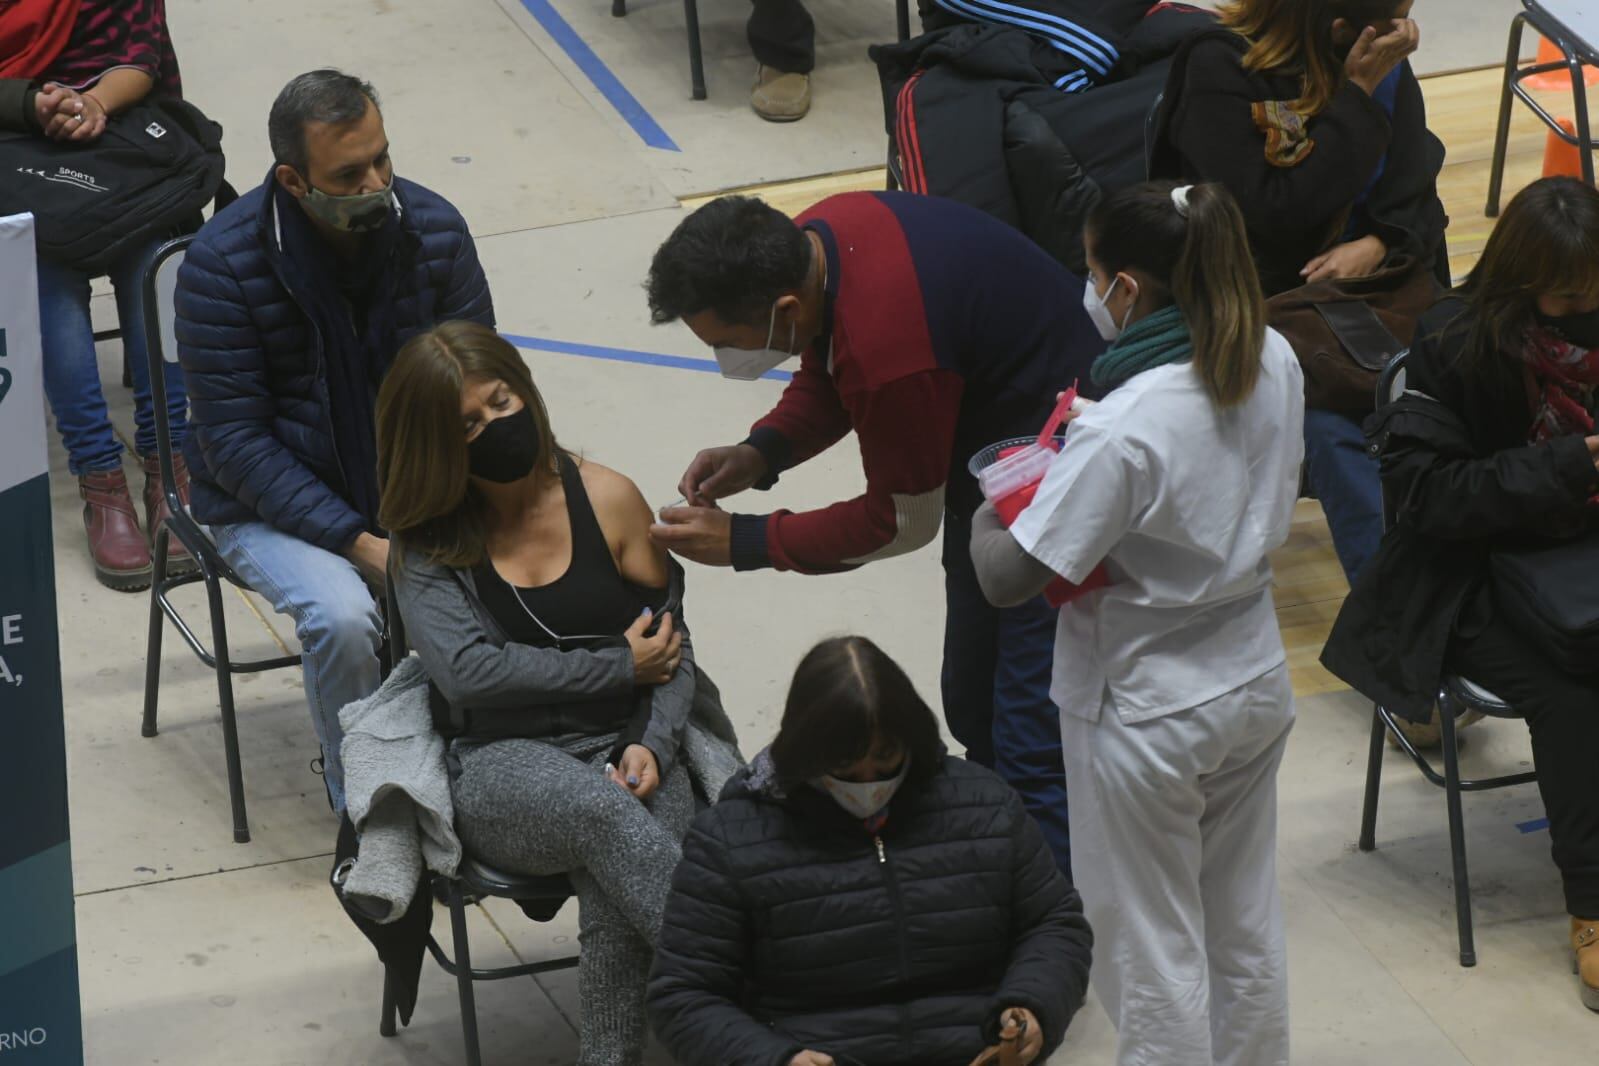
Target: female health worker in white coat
x,y
1172,681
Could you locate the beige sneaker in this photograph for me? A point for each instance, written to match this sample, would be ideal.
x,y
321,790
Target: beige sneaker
x,y
780,97
1429,736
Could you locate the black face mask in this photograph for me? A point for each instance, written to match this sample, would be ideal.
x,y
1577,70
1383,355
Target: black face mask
x,y
1581,330
506,450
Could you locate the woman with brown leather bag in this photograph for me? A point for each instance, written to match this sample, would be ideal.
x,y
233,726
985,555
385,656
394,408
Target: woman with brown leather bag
x,y
1309,113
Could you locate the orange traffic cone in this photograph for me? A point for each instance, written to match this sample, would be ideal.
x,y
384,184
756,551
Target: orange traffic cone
x,y
1556,80
1562,160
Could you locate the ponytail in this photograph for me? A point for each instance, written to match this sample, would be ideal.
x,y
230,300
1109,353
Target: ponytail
x,y
1216,287
1191,243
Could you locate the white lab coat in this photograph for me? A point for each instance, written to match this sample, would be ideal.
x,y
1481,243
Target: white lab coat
x,y
1176,703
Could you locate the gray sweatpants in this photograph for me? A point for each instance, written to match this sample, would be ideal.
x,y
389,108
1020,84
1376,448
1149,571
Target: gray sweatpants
x,y
532,807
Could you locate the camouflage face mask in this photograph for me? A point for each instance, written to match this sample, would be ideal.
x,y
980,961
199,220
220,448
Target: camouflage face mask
x,y
361,213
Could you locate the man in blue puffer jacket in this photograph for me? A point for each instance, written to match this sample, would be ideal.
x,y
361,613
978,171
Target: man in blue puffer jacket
x,y
291,305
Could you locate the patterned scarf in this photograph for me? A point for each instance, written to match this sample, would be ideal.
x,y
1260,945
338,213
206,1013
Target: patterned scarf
x,y
1152,341
1566,378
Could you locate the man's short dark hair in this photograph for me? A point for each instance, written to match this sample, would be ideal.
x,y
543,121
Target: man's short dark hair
x,y
330,96
734,256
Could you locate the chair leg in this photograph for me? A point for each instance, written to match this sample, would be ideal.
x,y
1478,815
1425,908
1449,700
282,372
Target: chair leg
x,y
1457,831
619,9
1579,99
902,18
696,60
386,1026
463,975
152,644
1496,173
1368,811
230,725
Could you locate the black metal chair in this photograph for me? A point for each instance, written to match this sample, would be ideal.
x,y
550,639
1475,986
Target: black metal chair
x,y
1554,21
1456,696
158,285
696,59
473,880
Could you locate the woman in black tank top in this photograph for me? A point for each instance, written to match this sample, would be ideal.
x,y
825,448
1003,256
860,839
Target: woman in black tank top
x,y
540,610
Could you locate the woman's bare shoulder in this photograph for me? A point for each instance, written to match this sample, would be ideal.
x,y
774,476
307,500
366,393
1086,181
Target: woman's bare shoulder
x,y
612,493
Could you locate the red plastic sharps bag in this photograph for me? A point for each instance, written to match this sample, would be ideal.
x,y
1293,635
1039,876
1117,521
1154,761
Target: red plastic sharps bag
x,y
1009,474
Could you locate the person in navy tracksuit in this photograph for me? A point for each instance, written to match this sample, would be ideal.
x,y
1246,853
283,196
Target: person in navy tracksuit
x,y
291,304
930,330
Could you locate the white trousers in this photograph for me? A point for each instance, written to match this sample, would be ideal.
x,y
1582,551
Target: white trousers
x,y
1174,836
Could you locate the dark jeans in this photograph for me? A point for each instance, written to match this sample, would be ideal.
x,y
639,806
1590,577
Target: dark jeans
x,y
72,374
997,666
1343,475
1562,712
782,36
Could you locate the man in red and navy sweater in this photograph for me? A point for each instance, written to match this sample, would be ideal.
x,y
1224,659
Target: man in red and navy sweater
x,y
931,330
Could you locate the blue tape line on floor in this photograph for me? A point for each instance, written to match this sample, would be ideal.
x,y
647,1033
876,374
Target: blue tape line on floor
x,y
1533,826
594,68
627,355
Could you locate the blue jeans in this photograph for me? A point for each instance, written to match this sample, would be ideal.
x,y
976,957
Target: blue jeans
x,y
997,668
1343,474
335,618
72,375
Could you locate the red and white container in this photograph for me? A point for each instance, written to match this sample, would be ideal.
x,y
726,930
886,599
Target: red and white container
x,y
1009,473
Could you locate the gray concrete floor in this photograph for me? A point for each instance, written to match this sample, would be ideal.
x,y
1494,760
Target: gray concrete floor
x,y
195,950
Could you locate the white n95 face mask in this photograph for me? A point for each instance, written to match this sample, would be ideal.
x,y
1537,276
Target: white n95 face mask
x,y
746,364
1094,304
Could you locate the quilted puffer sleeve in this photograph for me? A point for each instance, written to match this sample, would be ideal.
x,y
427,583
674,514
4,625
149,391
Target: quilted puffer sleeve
x,y
1052,943
700,962
467,292
232,409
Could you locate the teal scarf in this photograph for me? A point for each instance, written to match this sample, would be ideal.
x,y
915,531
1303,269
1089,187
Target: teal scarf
x,y
1152,341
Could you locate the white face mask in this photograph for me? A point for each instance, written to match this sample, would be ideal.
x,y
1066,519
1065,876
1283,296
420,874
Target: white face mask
x,y
1094,304
863,798
744,364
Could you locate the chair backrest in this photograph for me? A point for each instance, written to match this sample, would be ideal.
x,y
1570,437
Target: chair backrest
x,y
396,650
159,293
1391,386
1576,21
1391,382
1151,128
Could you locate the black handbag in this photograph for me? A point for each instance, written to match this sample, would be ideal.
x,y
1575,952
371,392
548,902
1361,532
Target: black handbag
x,y
1551,594
149,174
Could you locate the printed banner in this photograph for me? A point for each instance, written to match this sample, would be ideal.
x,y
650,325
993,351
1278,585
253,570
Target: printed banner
x,y
40,1024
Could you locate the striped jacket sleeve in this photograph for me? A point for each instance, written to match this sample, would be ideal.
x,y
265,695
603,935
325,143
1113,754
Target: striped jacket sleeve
x,y
906,428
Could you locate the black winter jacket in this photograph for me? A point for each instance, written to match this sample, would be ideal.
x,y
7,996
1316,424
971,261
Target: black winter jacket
x,y
977,114
261,438
790,928
1460,481
1207,132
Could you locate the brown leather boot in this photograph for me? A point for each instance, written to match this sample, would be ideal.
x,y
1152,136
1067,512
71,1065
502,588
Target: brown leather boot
x,y
156,510
1585,943
117,545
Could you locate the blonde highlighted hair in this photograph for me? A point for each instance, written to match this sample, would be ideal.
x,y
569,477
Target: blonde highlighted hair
x,y
1296,35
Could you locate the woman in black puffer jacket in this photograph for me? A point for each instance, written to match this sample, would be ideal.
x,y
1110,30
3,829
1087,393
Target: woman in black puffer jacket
x,y
860,898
